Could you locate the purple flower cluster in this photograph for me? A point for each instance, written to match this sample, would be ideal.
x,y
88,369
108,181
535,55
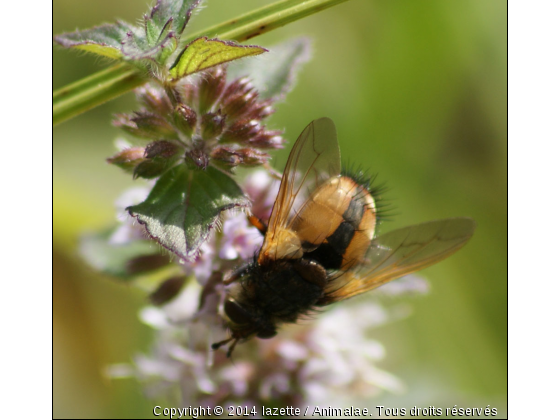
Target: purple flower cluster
x,y
204,119
320,362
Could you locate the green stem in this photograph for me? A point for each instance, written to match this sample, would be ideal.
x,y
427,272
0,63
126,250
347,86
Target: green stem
x,y
94,90
107,84
265,19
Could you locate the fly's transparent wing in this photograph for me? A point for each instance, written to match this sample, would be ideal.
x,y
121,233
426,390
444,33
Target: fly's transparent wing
x,y
314,159
400,252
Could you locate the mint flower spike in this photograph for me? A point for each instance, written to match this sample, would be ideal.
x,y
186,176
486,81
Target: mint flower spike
x,y
212,121
318,363
194,133
211,118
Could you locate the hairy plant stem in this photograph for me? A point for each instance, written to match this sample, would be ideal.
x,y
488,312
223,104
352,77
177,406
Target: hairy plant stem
x,y
107,84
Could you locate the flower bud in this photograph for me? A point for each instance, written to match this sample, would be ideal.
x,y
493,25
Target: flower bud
x,y
239,98
210,88
241,131
267,140
185,119
260,110
245,157
161,148
212,125
198,154
188,92
127,159
226,156
154,100
144,124
252,157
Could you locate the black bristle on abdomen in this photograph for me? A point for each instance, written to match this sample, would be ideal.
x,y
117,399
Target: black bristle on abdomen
x,y
384,210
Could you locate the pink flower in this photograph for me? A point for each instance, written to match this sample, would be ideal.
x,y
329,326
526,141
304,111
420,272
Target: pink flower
x,y
262,189
239,239
205,263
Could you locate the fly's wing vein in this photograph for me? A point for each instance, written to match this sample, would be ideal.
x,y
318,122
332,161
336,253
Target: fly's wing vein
x,y
401,252
314,159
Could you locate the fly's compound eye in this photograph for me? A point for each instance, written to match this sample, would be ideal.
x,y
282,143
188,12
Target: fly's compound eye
x,y
236,313
266,333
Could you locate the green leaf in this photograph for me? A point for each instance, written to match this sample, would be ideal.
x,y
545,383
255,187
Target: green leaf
x,y
184,205
121,260
152,31
155,41
102,40
158,39
179,10
204,53
274,74
110,83
137,47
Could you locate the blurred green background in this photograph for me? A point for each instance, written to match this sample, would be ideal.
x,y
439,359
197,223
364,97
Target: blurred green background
x,y
417,90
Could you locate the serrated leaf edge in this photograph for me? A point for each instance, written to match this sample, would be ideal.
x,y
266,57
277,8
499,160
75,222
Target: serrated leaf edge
x,y
217,223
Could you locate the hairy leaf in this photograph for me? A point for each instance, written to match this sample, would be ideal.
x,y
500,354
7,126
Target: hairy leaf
x,y
137,47
162,27
155,40
102,40
92,91
179,10
184,205
274,74
203,53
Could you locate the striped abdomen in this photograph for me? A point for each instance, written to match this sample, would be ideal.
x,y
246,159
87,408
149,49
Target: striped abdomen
x,y
337,224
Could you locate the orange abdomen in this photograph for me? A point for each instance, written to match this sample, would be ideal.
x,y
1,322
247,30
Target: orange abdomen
x,y
337,224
